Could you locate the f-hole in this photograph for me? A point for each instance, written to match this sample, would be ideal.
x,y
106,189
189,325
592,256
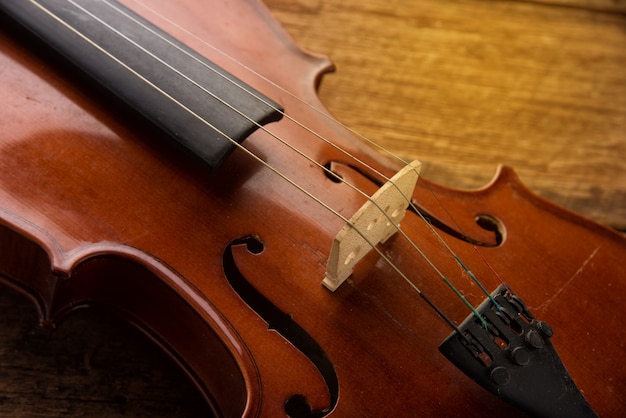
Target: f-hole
x,y
489,223
297,405
486,222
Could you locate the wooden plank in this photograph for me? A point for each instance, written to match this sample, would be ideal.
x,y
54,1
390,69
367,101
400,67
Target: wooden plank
x,y
473,84
463,86
596,5
92,365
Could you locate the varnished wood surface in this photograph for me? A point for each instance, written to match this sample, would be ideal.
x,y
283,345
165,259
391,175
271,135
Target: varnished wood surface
x,y
463,86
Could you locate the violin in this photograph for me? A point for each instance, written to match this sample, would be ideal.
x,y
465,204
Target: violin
x,y
185,176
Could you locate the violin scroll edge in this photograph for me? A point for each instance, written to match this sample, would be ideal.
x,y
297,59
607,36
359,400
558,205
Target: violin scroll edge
x,y
134,286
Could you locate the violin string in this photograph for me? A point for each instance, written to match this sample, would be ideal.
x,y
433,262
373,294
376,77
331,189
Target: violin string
x,y
412,243
261,161
475,247
301,153
387,260
325,140
317,109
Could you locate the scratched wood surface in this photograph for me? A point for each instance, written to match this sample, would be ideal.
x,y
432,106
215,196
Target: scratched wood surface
x,y
461,85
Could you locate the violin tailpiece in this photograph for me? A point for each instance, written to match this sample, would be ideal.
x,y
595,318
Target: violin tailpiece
x,y
514,358
375,222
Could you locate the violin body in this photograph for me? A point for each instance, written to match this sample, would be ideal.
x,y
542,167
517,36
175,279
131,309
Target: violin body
x,y
97,207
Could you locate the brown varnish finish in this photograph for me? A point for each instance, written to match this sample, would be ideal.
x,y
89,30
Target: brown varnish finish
x,y
96,208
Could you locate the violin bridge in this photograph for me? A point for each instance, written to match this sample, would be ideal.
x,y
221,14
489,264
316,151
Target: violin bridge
x,y
375,222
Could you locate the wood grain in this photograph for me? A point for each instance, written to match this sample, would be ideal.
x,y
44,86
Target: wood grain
x,y
461,85
473,84
93,365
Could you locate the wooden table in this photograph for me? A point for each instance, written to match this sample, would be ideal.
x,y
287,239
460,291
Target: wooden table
x,y
467,85
461,85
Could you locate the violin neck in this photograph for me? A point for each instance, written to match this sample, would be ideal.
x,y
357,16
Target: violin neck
x,y
205,109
